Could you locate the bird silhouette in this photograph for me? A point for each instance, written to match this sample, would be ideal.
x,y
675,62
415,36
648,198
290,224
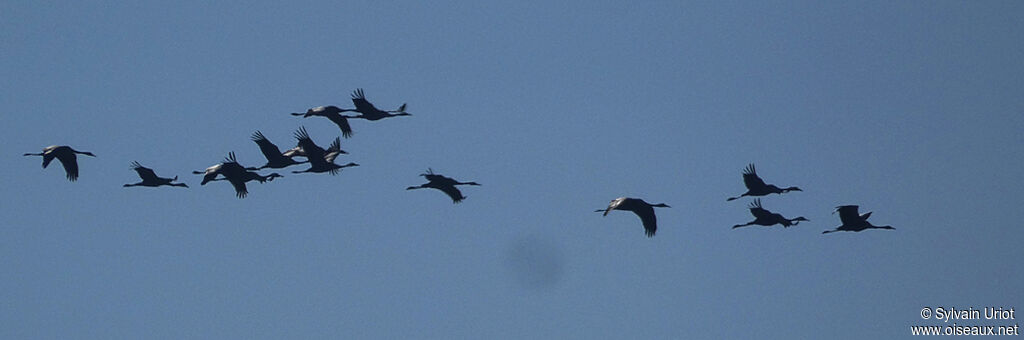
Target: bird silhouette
x,y
443,183
66,155
250,176
234,173
369,112
639,207
757,187
330,112
767,218
854,221
320,160
275,158
150,179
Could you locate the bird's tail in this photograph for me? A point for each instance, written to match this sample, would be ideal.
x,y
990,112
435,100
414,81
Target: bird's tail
x,y
401,109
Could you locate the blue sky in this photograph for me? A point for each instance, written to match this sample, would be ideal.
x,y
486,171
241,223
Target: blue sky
x,y
910,110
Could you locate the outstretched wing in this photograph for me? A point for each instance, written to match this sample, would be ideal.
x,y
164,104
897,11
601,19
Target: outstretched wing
x,y
230,158
314,153
342,122
145,173
333,151
70,164
452,192
750,178
239,185
650,221
848,214
269,150
437,178
758,211
362,105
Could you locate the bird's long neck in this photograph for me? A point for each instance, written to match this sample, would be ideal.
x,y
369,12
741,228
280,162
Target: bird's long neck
x,y
790,189
742,225
87,153
33,154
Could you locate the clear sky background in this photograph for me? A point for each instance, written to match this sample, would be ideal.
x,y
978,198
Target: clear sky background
x,y
912,110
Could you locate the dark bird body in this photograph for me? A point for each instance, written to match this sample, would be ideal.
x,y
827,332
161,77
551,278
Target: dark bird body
x,y
150,179
320,160
767,218
639,207
275,158
250,176
66,156
443,183
854,221
369,112
756,186
334,114
365,109
234,173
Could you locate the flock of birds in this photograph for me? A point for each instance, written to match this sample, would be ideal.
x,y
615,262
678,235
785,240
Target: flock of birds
x,y
851,219
322,160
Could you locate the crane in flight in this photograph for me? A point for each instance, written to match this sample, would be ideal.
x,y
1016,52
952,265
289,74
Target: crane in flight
x,y
365,109
757,187
275,158
234,173
767,218
639,207
443,183
66,155
853,220
320,160
150,179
